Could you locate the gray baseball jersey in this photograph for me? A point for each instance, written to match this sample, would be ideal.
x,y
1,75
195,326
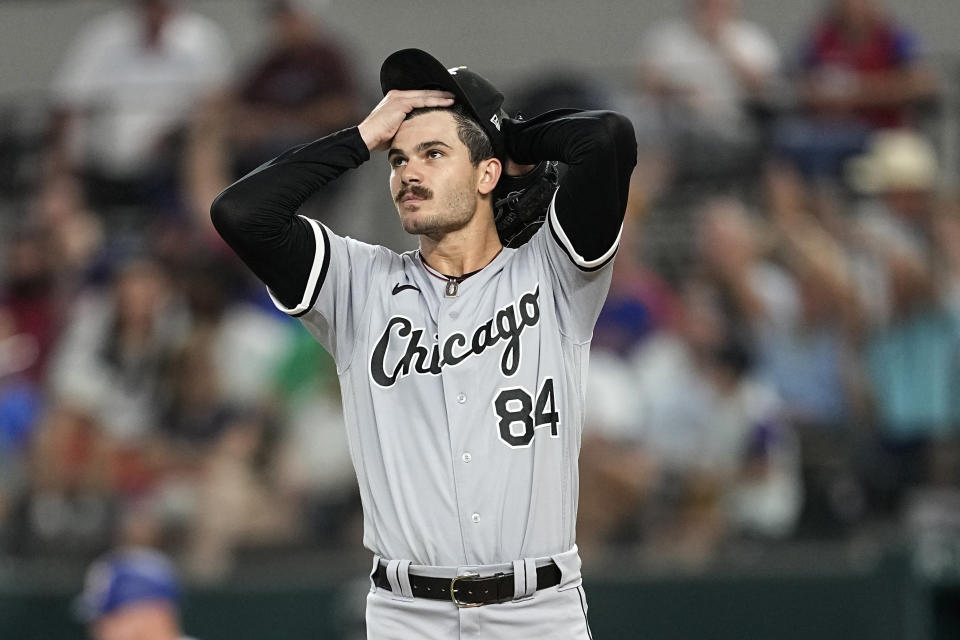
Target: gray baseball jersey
x,y
464,412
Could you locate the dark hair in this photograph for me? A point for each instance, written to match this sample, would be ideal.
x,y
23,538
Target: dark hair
x,y
471,134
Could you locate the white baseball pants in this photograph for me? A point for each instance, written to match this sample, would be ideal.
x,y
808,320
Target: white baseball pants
x,y
555,613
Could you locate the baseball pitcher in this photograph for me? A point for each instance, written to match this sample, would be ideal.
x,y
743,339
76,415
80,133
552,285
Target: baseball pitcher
x,y
463,364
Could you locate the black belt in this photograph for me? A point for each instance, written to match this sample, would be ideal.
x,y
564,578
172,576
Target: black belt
x,y
470,591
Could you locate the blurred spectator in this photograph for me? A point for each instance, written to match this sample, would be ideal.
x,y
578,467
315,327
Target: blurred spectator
x,y
48,258
707,416
299,89
111,359
731,257
195,412
20,406
76,235
30,297
131,594
30,318
811,353
219,486
639,302
701,72
913,348
66,506
243,337
313,456
615,473
860,71
126,86
946,230
896,180
899,176
806,345
688,444
211,377
239,503
618,476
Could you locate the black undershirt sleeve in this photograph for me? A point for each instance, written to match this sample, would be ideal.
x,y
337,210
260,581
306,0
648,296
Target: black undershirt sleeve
x,y
257,215
601,151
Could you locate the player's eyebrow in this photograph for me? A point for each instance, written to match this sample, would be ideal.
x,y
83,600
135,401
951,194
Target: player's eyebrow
x,y
419,148
423,146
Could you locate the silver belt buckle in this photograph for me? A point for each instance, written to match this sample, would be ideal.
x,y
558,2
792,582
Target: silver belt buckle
x,y
453,590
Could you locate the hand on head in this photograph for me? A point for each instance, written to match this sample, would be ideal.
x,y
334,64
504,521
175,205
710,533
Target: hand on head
x,y
379,128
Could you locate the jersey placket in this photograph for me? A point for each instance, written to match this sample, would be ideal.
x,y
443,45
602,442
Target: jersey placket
x,y
462,400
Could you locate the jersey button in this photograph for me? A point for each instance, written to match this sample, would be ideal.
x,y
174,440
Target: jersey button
x,y
454,314
461,398
475,517
467,457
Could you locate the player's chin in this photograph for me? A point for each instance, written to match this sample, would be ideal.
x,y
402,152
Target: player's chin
x,y
415,220
417,227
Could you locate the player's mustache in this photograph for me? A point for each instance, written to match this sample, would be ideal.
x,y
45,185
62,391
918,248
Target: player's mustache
x,y
416,190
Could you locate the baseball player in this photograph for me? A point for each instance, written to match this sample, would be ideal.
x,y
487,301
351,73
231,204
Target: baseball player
x,y
462,365
131,594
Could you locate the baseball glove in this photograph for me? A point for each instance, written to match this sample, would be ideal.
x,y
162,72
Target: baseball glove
x,y
520,202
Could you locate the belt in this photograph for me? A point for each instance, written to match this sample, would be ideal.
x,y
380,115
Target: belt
x,y
470,591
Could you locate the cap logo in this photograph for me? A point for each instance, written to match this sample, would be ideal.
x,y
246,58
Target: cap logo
x,y
453,70
495,119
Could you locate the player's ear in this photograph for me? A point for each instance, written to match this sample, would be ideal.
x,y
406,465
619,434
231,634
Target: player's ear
x,y
488,175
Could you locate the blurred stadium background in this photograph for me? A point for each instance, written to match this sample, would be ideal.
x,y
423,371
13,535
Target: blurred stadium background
x,y
773,443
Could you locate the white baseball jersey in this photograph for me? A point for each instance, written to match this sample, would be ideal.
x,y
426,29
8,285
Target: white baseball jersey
x,y
464,412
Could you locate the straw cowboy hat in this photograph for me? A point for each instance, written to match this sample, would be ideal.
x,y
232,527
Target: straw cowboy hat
x,y
896,160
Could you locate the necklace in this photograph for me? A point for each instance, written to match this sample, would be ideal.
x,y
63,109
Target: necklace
x,y
452,287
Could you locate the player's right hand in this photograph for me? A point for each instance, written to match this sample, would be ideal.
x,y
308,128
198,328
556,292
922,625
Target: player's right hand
x,y
379,128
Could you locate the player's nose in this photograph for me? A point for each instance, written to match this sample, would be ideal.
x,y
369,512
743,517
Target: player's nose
x,y
410,174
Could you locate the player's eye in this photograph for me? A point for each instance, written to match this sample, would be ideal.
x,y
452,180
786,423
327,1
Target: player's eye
x,y
434,154
397,161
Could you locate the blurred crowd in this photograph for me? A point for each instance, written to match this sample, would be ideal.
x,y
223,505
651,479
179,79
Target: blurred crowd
x,y
778,358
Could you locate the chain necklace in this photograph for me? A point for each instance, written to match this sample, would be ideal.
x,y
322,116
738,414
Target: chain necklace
x,y
452,287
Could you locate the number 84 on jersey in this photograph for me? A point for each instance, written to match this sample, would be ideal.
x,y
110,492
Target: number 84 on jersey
x,y
519,414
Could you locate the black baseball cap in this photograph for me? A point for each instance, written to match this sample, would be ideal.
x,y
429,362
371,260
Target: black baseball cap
x,y
410,69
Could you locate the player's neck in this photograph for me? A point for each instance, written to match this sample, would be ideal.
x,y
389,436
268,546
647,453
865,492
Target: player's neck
x,y
462,251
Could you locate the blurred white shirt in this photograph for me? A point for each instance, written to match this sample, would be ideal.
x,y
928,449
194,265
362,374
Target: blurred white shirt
x,y
675,51
129,95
